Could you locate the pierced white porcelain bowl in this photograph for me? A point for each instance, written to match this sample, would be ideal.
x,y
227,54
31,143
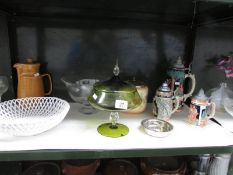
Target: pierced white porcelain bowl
x,y
32,115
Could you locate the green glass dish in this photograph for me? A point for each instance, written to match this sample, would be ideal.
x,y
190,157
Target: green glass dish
x,y
105,95
114,95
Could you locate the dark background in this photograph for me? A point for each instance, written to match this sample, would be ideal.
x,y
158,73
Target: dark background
x,y
84,38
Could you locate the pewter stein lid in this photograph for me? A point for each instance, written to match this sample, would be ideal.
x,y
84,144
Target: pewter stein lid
x,y
200,98
164,90
179,64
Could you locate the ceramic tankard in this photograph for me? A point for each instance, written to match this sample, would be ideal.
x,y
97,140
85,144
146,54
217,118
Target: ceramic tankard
x,y
199,109
165,104
178,74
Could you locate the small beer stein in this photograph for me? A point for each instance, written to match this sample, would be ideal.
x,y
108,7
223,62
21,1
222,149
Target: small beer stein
x,y
164,102
198,110
178,74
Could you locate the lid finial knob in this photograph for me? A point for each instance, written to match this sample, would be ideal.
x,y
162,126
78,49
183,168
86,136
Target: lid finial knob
x,y
116,69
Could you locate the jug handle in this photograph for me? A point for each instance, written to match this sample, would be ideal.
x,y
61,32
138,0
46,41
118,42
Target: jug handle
x,y
192,77
50,83
177,101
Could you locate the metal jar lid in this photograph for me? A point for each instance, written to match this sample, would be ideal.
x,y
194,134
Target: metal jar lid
x,y
164,91
179,64
200,98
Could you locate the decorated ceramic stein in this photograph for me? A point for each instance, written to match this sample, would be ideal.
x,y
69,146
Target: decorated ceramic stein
x,y
164,102
178,75
199,109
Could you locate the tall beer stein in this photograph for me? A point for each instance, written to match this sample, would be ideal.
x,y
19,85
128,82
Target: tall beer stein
x,y
165,104
199,109
178,75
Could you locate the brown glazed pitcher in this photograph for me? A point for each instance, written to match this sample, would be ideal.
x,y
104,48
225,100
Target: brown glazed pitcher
x,y
30,82
80,167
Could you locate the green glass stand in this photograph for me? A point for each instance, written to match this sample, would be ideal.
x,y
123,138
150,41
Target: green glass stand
x,y
109,130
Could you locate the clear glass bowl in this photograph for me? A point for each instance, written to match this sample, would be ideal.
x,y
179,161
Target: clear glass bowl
x,y
79,91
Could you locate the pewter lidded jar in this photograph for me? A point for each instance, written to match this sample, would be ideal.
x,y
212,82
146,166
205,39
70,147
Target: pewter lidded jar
x,y
164,102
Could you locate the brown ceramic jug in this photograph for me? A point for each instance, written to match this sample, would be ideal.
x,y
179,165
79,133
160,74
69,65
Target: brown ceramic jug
x,y
120,167
165,165
30,82
80,167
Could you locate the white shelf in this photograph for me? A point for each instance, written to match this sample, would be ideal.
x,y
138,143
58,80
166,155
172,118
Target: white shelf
x,y
78,132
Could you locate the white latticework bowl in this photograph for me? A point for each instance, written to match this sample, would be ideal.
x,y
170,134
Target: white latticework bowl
x,y
32,115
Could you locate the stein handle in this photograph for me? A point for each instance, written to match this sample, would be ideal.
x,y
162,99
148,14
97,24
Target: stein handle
x,y
177,101
212,112
154,107
192,77
50,83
